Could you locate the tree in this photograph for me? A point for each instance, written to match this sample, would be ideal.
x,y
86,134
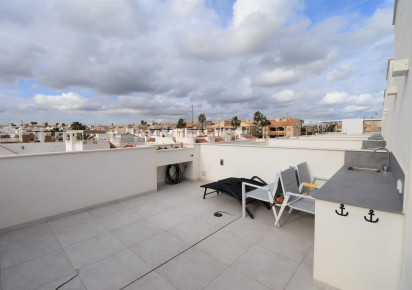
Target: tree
x,y
261,121
142,122
257,117
181,123
54,130
202,119
265,122
235,122
33,123
77,126
46,124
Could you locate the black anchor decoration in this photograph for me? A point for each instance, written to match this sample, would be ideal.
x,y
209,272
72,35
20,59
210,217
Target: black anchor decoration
x,y
342,208
371,214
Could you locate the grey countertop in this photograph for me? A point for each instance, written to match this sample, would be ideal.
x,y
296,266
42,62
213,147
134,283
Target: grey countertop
x,y
364,189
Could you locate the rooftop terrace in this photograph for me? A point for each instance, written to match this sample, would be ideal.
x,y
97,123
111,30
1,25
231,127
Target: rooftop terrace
x,y
167,239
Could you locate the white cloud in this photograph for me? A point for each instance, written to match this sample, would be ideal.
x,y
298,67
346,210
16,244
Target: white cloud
x,y
340,73
284,96
277,77
334,98
337,98
65,101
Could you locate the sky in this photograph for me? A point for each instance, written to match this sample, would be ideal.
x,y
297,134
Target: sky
x,y
123,61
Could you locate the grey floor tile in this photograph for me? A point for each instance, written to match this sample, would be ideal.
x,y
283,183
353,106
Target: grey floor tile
x,y
191,232
78,233
191,270
194,208
270,269
173,200
114,272
152,281
231,279
120,219
224,246
69,221
75,284
308,260
248,229
136,232
28,249
159,248
298,223
302,279
106,210
92,250
169,219
208,218
36,272
23,234
286,244
150,208
135,201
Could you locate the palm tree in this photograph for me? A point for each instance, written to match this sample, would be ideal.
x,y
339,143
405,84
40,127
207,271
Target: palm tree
x,y
265,122
77,126
202,119
261,121
235,122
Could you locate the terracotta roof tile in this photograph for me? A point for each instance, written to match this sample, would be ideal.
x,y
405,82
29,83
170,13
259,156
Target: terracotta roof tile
x,y
201,141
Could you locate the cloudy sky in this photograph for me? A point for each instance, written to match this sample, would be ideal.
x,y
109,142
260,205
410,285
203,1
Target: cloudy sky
x,y
122,61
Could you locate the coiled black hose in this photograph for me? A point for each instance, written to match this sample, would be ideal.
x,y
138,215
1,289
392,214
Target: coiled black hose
x,y
175,177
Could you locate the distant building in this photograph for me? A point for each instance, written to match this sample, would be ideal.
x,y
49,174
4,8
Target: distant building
x,y
351,126
284,127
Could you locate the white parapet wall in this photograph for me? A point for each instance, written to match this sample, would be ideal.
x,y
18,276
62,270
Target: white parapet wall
x,y
264,161
32,148
35,187
319,142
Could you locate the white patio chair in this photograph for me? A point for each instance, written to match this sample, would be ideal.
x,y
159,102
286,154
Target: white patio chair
x,y
265,193
304,176
292,198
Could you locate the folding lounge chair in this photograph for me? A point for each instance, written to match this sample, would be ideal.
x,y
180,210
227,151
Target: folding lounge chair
x,y
233,187
292,198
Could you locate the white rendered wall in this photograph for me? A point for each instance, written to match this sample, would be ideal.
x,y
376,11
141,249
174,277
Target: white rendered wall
x,y
264,161
182,156
396,127
346,248
327,143
352,126
34,148
4,151
39,186
90,145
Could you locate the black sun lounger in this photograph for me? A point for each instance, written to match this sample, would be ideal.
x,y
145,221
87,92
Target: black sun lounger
x,y
232,186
